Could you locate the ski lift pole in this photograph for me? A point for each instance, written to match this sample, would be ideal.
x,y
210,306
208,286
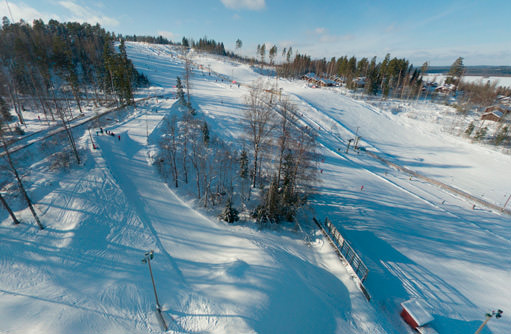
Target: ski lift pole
x,y
147,259
348,147
504,207
355,147
497,315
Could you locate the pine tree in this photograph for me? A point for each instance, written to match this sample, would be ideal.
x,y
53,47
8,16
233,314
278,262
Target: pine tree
x,y
272,54
456,72
239,44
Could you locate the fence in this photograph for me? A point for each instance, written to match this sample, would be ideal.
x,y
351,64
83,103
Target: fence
x,y
346,252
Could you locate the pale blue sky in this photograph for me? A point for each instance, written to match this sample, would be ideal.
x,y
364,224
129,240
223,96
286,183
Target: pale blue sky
x,y
434,31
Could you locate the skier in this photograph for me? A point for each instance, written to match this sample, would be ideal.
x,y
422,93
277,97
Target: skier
x,y
119,136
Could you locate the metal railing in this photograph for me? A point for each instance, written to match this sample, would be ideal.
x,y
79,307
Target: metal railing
x,y
347,251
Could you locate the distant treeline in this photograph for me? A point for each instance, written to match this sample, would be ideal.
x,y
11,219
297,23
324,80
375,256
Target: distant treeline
x,y
54,66
391,76
475,70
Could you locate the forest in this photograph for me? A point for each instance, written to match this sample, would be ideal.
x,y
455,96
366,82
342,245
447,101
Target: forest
x,y
54,66
57,68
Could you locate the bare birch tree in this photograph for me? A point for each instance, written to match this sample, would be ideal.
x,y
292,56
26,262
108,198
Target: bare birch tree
x,y
11,213
18,179
259,123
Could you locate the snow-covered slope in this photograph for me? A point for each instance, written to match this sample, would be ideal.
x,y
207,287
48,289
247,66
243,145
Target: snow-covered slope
x,y
83,273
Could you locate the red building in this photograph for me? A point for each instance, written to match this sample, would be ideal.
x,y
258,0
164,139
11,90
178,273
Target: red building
x,y
414,314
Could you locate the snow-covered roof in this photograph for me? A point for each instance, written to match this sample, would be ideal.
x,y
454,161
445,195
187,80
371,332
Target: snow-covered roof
x,y
497,113
417,311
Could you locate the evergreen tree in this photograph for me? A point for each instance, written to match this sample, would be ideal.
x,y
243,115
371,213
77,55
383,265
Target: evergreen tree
x,y
502,135
244,164
205,133
272,53
470,129
239,44
180,94
230,214
456,72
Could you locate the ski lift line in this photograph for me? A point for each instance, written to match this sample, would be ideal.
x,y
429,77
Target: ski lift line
x,y
442,185
402,169
10,13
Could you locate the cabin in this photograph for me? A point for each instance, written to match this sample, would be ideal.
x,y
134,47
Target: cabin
x,y
504,100
495,113
446,89
415,315
317,81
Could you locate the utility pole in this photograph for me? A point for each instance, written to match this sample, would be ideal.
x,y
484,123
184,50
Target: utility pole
x,y
497,314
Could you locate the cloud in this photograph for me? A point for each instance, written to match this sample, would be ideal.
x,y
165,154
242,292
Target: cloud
x,y
245,4
22,11
320,31
168,34
84,14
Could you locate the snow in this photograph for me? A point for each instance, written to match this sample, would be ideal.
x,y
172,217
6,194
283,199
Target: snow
x,y
83,273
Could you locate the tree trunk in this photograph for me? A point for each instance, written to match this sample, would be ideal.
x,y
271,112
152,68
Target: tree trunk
x,y
70,136
20,184
11,213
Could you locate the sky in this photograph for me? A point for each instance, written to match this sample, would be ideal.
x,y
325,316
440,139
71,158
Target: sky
x,y
434,31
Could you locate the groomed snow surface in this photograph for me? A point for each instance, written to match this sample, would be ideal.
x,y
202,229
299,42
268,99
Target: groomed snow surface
x,y
83,273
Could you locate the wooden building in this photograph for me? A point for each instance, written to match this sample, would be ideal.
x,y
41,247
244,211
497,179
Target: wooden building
x,y
414,314
495,113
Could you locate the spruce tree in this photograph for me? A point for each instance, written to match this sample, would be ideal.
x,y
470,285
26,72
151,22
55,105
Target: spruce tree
x,y
205,133
230,214
180,94
244,164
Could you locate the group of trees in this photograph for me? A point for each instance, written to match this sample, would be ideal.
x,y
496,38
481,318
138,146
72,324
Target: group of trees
x,y
279,157
283,149
53,67
191,156
56,68
147,39
389,77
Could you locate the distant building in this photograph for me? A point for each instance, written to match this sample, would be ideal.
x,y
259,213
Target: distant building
x,y
315,80
415,315
446,89
495,113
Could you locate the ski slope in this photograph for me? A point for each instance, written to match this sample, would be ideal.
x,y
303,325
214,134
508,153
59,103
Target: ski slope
x,y
83,274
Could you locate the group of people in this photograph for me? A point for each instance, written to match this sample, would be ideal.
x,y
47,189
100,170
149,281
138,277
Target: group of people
x,y
108,132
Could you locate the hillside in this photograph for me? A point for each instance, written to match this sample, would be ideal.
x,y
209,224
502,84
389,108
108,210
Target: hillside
x,y
83,272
